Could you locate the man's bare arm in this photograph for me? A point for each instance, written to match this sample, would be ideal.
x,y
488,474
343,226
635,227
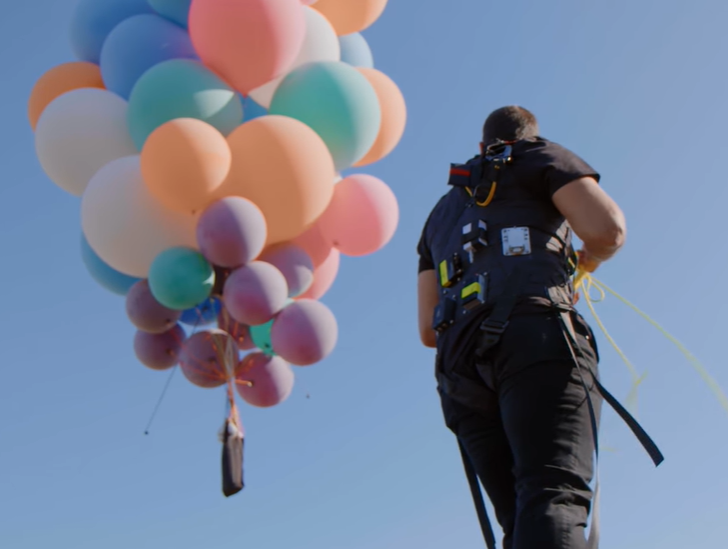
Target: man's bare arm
x,y
595,218
427,298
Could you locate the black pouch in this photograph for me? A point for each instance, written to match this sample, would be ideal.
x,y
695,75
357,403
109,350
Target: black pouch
x,y
232,459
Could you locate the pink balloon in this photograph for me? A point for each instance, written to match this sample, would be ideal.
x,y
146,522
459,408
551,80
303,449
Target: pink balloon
x,y
264,381
247,42
159,351
239,332
362,217
304,333
231,232
146,313
208,358
254,294
324,276
315,244
295,265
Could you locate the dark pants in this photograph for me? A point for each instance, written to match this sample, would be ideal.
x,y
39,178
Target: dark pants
x,y
524,421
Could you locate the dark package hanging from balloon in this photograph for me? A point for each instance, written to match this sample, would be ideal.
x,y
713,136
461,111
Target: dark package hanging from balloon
x,y
232,459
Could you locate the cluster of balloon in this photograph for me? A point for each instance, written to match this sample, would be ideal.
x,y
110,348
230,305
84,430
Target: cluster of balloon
x,y
205,139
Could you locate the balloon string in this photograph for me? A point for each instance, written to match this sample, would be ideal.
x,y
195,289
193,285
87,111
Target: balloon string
x,y
159,402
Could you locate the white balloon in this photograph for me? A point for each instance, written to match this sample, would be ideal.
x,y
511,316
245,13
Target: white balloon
x,y
80,132
125,225
320,44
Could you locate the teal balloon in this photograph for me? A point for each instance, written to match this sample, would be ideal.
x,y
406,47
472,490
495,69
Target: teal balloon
x,y
261,338
181,278
174,10
181,88
337,102
108,278
252,110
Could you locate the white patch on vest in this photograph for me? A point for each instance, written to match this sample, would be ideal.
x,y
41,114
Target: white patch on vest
x,y
516,241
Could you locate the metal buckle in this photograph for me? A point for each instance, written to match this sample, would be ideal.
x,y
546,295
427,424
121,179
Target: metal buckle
x,y
496,327
500,153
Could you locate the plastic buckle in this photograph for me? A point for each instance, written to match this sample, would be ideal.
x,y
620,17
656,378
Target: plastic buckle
x,y
500,153
495,327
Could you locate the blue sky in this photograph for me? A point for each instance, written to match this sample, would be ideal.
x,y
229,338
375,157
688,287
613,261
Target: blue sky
x,y
636,88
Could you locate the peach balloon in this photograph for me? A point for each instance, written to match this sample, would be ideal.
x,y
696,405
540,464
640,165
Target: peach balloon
x,y
283,167
59,80
350,16
394,115
247,42
362,217
184,162
324,276
315,244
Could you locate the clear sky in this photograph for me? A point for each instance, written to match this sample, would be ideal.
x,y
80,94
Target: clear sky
x,y
638,88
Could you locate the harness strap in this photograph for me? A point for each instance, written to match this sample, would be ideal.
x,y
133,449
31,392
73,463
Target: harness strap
x,y
497,322
483,519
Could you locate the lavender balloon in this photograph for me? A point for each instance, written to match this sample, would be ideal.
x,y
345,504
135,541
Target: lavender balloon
x,y
264,381
159,351
208,359
231,232
254,294
305,332
239,332
295,265
146,313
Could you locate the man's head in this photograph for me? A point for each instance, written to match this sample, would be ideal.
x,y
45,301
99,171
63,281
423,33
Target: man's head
x,y
509,124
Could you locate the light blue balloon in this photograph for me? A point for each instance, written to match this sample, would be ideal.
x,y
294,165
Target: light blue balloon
x,y
181,278
205,313
251,110
262,339
181,88
93,21
136,45
355,51
108,278
337,102
174,10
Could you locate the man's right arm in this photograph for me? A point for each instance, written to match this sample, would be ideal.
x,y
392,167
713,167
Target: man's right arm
x,y
595,218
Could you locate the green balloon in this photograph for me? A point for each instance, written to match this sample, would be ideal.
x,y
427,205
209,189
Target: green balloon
x,y
337,102
181,88
261,338
181,278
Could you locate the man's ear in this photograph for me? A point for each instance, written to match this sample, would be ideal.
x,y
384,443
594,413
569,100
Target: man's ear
x,y
482,147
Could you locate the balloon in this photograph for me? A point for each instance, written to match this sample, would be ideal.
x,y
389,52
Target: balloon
x,y
349,16
136,45
295,265
159,351
181,278
247,42
175,10
356,51
231,232
362,217
93,20
251,109
59,80
146,313
181,88
320,44
394,116
105,276
285,169
208,359
239,332
204,313
338,102
261,338
184,161
304,333
255,293
264,381
315,244
324,276
78,133
123,222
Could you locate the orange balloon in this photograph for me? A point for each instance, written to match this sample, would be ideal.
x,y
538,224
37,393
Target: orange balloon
x,y
59,80
350,16
394,115
286,169
184,162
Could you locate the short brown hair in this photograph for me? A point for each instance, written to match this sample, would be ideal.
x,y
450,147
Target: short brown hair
x,y
509,124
